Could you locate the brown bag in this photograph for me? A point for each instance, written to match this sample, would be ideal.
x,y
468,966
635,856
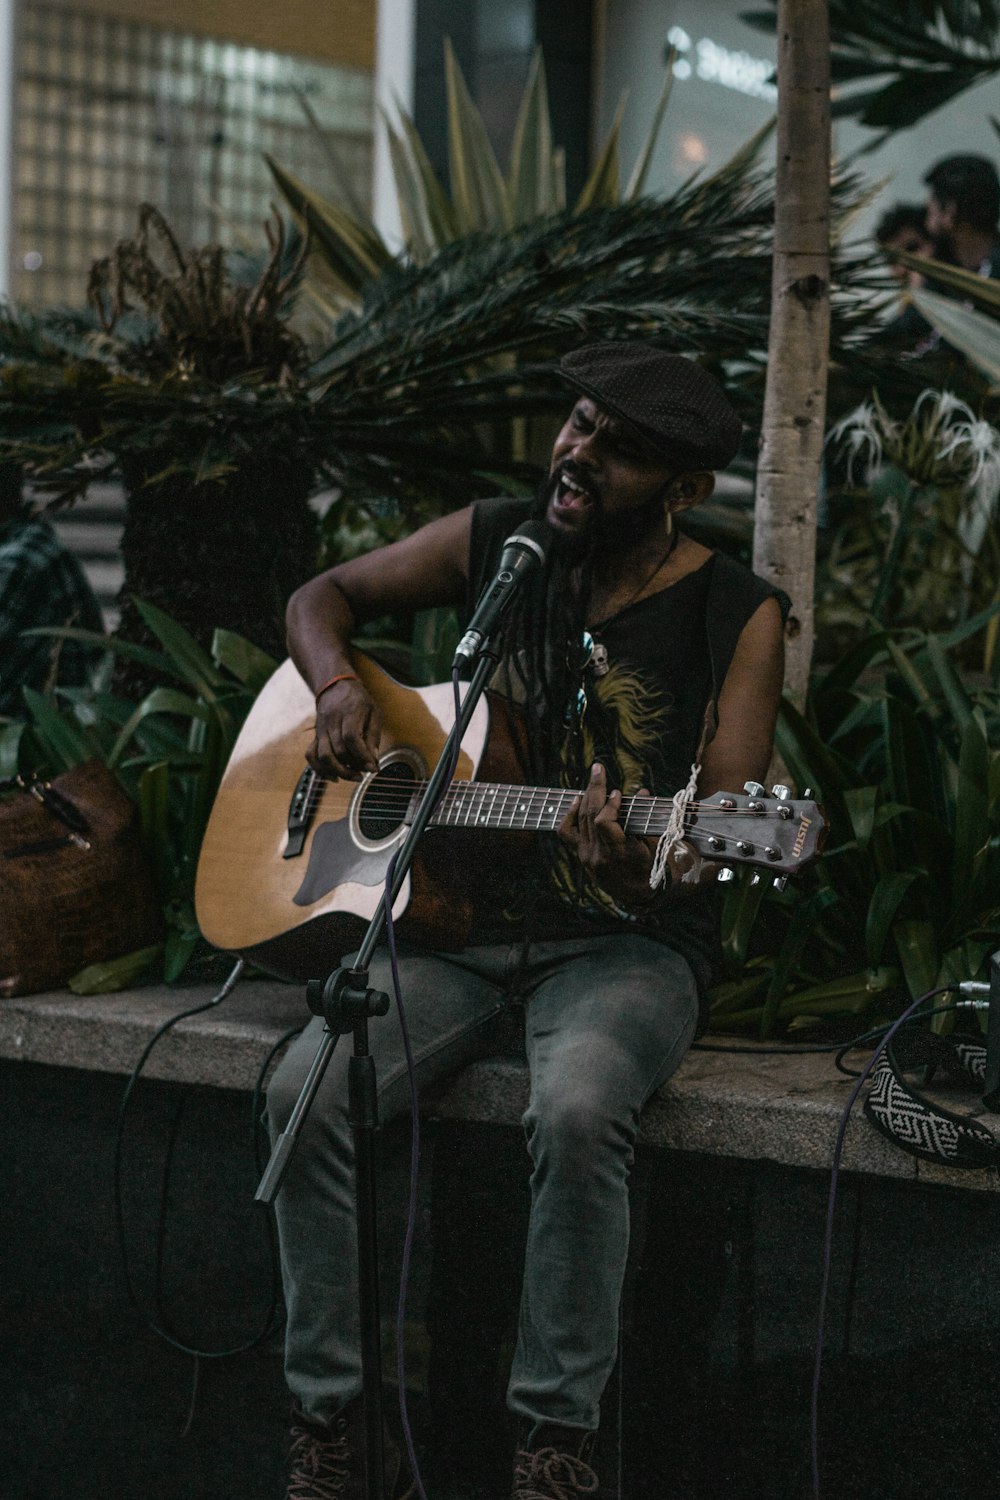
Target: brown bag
x,y
75,882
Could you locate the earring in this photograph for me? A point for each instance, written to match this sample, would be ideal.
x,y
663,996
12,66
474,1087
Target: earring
x,y
668,519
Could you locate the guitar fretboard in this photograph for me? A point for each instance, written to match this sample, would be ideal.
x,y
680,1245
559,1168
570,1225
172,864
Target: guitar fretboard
x,y
781,835
475,804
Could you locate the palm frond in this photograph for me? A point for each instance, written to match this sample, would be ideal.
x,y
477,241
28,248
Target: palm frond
x,y
902,62
398,402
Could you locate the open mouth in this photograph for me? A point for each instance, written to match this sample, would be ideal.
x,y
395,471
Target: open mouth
x,y
570,497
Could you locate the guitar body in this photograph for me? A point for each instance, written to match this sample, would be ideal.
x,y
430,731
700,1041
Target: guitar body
x,y
296,917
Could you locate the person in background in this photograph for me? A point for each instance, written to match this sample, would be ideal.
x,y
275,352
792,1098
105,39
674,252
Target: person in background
x,y
904,227
963,213
41,584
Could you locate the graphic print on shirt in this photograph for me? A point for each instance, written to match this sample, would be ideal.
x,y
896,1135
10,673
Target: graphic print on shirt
x,y
634,710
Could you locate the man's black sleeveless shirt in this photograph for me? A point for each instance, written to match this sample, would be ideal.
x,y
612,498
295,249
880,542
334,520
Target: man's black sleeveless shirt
x,y
667,658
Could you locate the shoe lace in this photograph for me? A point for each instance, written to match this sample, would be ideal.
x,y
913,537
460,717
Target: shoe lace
x,y
551,1475
320,1464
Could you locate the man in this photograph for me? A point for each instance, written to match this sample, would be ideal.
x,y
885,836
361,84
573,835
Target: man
x,y
681,667
40,584
963,212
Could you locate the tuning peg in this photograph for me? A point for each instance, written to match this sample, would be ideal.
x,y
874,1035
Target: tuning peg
x,y
726,874
755,878
753,788
807,794
781,882
781,792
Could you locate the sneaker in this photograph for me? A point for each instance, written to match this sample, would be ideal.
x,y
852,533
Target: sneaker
x,y
327,1460
553,1464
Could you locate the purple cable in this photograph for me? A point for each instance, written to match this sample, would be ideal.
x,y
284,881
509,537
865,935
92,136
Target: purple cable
x,y
411,1216
828,1235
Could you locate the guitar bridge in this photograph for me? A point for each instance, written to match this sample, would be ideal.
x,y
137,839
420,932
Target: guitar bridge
x,y
300,813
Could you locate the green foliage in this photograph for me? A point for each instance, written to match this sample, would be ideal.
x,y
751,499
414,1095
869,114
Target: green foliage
x,y
393,409
348,250
177,368
901,62
907,893
169,751
976,334
914,544
969,318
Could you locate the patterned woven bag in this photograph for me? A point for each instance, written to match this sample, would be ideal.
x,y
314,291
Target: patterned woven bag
x,y
913,1122
76,886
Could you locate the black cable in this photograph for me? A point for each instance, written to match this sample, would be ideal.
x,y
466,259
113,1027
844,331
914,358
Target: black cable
x,y
803,1049
814,1447
411,1073
883,1034
158,1323
921,1015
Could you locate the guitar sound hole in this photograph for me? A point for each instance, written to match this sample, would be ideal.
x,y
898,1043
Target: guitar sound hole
x,y
386,799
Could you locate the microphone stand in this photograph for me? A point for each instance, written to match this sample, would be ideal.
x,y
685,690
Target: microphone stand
x,y
346,1002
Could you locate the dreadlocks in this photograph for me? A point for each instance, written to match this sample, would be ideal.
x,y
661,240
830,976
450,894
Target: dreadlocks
x,y
545,658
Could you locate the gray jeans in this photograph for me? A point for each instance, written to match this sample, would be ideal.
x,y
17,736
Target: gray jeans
x,y
608,1019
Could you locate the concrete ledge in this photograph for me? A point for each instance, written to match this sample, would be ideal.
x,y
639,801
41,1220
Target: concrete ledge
x,y
224,1047
744,1104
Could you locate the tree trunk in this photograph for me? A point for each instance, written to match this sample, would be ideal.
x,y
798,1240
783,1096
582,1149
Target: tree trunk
x,y
798,347
215,554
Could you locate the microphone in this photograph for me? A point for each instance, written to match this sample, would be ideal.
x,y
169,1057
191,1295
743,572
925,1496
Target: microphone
x,y
523,554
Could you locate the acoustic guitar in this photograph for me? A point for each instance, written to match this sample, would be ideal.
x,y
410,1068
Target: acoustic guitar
x,y
292,866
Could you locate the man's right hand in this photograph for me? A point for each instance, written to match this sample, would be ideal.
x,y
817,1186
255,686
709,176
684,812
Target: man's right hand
x,y
348,732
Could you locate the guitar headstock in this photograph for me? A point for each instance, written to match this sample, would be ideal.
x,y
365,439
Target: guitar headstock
x,y
776,832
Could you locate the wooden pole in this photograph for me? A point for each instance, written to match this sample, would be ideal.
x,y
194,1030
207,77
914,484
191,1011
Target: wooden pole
x,y
788,473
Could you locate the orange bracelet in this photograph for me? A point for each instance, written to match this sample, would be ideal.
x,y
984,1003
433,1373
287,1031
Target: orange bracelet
x,y
340,677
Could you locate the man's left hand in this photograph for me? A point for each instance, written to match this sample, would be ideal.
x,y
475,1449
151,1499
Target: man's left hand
x,y
616,861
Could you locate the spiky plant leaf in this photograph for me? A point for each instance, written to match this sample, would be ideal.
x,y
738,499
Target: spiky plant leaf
x,y
977,335
414,208
637,182
341,174
603,184
353,251
973,287
533,185
477,185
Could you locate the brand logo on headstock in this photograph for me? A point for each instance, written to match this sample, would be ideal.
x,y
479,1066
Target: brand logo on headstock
x,y
800,837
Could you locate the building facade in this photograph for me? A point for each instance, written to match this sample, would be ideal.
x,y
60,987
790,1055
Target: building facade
x,y
120,102
116,102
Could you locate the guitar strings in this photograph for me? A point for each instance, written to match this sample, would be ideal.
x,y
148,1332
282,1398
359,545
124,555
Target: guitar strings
x,y
387,796
402,793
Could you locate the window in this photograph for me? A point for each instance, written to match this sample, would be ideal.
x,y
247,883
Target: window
x,y
112,113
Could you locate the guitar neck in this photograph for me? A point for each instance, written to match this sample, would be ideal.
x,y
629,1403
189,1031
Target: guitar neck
x,y
777,832
476,804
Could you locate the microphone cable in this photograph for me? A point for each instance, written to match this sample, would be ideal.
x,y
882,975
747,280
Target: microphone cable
x,y
817,1049
411,1073
911,1013
158,1321
883,1035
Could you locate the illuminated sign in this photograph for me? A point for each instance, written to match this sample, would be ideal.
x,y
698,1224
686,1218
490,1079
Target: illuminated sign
x,y
713,63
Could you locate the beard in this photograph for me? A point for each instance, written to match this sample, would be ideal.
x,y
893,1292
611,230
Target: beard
x,y
602,534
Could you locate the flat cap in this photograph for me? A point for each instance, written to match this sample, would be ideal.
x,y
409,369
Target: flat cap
x,y
675,404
